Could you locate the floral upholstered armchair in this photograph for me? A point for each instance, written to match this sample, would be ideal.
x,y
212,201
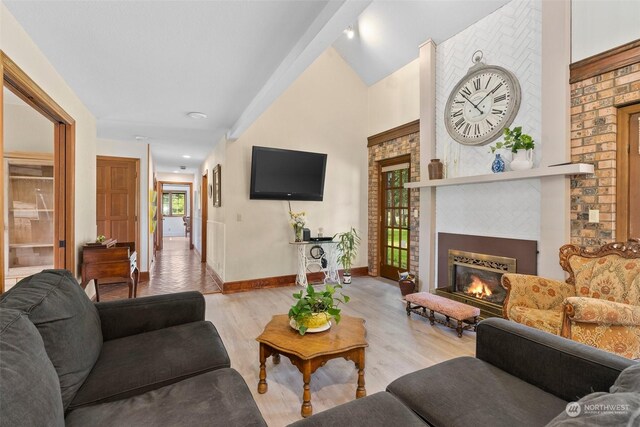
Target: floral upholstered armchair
x,y
598,305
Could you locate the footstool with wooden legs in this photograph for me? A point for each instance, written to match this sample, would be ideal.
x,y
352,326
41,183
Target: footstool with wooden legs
x,y
466,317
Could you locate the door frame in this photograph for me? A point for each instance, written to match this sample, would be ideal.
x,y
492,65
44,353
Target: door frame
x,y
204,194
16,80
160,227
137,178
404,158
622,171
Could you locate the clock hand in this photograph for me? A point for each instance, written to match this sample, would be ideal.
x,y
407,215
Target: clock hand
x,y
489,93
481,112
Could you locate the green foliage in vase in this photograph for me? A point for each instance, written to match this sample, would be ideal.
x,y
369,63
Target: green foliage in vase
x,y
347,246
514,140
313,301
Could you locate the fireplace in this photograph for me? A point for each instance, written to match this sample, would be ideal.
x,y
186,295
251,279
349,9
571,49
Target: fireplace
x,y
478,275
470,268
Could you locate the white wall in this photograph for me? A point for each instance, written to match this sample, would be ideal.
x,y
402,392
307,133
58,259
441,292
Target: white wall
x,y
394,100
325,111
15,43
511,38
25,129
216,243
137,150
599,25
173,226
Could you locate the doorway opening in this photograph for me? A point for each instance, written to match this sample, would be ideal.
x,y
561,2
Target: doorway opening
x,y
38,200
394,216
628,174
175,213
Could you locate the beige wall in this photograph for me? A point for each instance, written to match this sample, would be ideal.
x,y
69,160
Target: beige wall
x,y
394,100
15,42
25,129
324,111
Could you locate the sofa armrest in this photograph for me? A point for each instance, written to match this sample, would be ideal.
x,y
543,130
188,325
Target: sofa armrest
x,y
599,311
134,316
562,367
534,292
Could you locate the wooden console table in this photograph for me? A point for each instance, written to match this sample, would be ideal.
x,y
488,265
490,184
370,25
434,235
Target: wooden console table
x,y
116,263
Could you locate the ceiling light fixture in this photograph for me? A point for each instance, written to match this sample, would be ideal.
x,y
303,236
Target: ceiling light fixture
x,y
186,156
197,115
141,137
176,171
349,32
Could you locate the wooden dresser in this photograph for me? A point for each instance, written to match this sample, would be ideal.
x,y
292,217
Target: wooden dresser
x,y
111,262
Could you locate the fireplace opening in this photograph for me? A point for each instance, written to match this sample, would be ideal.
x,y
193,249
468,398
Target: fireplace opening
x,y
478,276
480,284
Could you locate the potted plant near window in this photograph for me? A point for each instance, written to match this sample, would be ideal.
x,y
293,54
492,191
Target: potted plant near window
x,y
313,309
520,144
347,246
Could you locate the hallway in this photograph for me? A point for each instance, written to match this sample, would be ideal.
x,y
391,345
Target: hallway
x,y
176,269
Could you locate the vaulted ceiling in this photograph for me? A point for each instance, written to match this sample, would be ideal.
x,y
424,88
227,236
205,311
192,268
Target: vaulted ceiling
x,y
141,66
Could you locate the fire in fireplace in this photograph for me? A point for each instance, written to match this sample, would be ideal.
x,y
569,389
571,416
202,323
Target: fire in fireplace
x,y
478,275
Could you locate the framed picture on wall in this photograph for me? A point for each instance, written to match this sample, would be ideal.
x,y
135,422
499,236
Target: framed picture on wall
x,y
217,186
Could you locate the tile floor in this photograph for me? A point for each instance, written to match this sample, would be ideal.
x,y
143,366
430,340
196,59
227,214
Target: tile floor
x,y
176,269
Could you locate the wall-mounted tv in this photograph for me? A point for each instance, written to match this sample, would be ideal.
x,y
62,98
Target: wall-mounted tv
x,y
278,174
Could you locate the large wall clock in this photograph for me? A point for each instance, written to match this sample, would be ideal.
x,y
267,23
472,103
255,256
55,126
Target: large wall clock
x,y
482,104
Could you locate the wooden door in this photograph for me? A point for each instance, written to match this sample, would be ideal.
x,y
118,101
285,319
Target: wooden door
x,y
394,215
204,192
634,176
116,198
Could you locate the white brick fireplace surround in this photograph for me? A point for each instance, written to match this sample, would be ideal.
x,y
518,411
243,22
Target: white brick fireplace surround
x,y
531,39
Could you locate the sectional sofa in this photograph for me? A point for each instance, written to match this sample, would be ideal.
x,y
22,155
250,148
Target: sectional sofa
x,y
150,361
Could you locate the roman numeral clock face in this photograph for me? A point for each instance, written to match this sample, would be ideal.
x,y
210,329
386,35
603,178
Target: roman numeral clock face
x,y
481,105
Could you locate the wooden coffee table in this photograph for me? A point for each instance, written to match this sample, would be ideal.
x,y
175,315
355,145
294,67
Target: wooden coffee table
x,y
310,351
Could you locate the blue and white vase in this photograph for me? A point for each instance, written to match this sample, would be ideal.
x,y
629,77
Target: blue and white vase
x,y
498,164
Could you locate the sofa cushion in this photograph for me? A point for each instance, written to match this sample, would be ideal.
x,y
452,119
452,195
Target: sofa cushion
x,y
67,321
467,391
218,398
601,409
139,363
378,410
545,320
29,386
610,277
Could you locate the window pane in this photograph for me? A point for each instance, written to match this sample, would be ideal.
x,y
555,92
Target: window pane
x,y
166,207
403,259
396,257
389,218
388,179
404,218
396,238
405,176
388,256
404,239
389,198
177,204
389,238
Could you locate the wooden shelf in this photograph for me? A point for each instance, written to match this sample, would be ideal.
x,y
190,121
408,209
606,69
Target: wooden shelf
x,y
570,169
31,245
38,178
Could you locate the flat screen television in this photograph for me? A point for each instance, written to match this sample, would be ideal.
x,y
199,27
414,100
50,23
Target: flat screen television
x,y
279,174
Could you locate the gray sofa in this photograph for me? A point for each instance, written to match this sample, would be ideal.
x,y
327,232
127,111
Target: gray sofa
x,y
520,377
150,361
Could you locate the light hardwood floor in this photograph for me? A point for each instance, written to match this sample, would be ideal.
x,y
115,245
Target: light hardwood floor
x,y
398,345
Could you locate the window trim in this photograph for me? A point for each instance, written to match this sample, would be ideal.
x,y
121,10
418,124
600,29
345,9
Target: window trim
x,y
170,193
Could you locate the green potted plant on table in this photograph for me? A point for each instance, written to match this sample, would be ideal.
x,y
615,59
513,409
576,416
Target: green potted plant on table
x,y
347,246
314,309
520,144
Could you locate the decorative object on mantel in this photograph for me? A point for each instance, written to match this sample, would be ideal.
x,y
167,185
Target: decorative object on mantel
x,y
482,103
435,169
314,310
498,164
348,243
521,145
297,221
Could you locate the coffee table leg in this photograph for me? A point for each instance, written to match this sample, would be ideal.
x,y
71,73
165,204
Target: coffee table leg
x,y
360,391
306,409
262,384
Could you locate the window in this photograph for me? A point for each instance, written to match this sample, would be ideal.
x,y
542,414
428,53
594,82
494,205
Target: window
x,y
173,204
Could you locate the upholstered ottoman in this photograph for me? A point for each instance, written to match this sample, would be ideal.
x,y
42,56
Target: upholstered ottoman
x,y
465,315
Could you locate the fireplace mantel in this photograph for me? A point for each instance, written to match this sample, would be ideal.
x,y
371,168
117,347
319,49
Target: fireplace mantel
x,y
570,169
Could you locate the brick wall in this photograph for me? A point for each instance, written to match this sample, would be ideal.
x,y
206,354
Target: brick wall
x,y
409,144
594,104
